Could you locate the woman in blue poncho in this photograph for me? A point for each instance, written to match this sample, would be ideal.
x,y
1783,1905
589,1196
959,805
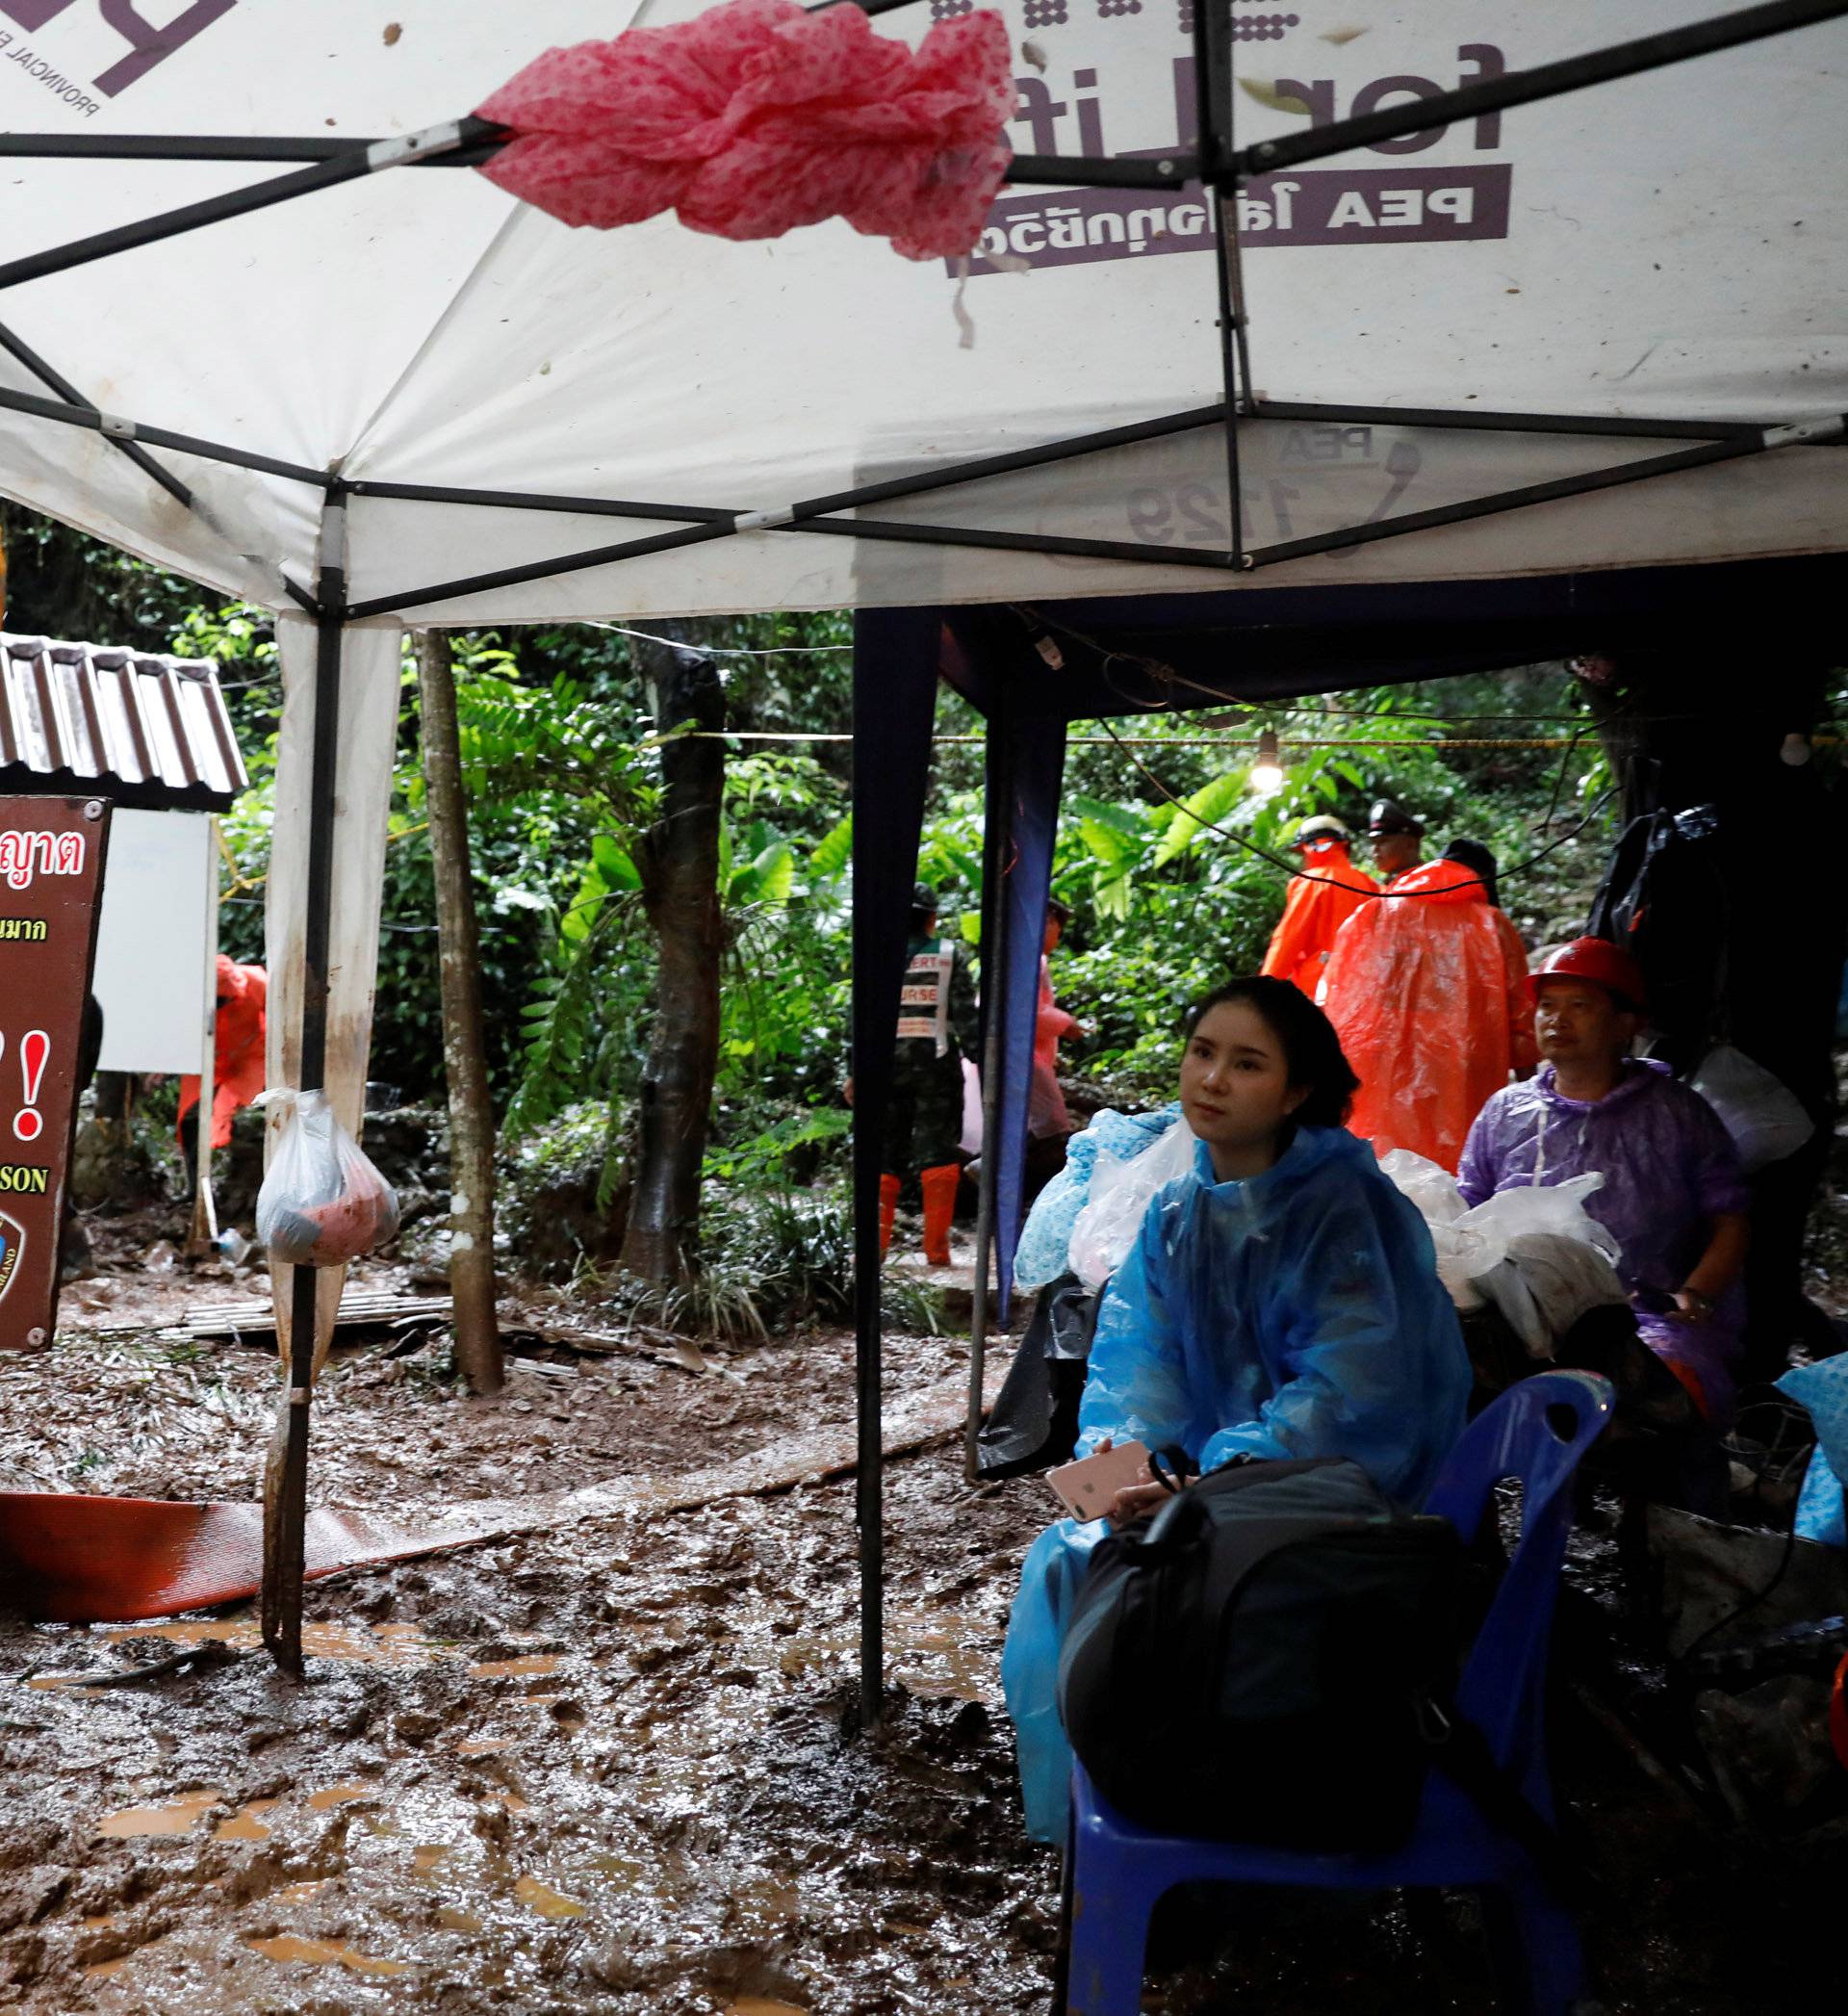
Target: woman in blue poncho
x,y
1280,1301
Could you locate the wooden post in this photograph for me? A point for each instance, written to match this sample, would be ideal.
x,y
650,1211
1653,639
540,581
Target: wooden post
x,y
205,1214
478,1338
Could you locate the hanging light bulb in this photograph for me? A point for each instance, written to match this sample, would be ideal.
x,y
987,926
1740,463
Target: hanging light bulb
x,y
1795,750
1267,773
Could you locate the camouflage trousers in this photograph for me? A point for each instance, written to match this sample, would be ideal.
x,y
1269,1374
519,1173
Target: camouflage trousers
x,y
924,1123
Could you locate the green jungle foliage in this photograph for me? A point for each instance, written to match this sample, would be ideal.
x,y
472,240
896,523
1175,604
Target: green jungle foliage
x,y
1171,861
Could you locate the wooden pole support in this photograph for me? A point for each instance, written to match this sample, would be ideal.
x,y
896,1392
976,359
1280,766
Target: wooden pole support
x,y
472,1282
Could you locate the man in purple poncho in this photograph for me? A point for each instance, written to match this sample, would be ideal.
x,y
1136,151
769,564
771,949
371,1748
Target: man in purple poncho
x,y
1673,1194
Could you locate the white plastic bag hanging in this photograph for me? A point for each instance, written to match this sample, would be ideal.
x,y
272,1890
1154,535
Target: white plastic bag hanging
x,y
321,1202
1546,1284
1764,1117
1106,1227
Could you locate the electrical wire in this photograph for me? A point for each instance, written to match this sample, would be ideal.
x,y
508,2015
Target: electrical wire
x,y
1165,674
648,637
1748,1604
719,649
1153,741
1376,896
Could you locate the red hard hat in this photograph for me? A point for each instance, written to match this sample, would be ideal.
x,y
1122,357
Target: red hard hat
x,y
1598,960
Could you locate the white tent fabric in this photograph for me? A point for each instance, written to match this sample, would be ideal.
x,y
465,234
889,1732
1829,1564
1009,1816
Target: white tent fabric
x,y
1671,247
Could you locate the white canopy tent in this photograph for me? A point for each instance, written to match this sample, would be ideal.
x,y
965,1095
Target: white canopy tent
x,y
1604,330
1666,249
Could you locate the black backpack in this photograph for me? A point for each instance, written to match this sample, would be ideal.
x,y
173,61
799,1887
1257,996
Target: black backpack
x,y
1033,1421
1663,901
1268,1659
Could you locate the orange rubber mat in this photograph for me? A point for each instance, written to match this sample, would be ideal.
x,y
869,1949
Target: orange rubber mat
x,y
74,1559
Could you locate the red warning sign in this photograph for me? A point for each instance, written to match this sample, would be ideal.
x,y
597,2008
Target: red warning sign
x,y
51,872
34,1052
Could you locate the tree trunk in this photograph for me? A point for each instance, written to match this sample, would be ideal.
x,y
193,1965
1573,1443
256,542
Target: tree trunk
x,y
679,862
478,1338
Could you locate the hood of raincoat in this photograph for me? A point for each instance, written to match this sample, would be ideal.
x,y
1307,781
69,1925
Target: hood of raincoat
x,y
1310,1151
1638,1076
234,981
1319,856
1435,882
1294,1313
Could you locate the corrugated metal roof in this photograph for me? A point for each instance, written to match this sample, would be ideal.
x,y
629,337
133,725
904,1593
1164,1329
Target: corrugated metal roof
x,y
139,730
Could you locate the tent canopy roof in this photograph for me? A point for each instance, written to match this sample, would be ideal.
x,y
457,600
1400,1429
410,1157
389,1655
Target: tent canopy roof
x,y
1135,655
413,331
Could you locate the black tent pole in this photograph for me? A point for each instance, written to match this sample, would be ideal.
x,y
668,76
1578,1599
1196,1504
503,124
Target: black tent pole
x,y
997,853
240,202
80,413
1635,427
1804,434
285,1487
1213,123
895,654
18,348
1051,171
1547,80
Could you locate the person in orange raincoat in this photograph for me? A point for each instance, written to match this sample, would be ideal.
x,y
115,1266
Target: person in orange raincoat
x,y
1428,989
237,1062
1321,897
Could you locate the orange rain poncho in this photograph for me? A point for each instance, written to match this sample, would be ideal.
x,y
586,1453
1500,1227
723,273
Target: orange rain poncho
x,y
238,1066
1323,896
1428,995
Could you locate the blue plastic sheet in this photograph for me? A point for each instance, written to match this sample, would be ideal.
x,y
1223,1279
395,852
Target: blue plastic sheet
x,y
1045,1242
1823,1389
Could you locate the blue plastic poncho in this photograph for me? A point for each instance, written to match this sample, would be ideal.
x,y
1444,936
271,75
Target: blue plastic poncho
x,y
1294,1314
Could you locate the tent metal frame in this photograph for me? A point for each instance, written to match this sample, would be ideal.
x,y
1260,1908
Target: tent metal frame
x,y
1214,162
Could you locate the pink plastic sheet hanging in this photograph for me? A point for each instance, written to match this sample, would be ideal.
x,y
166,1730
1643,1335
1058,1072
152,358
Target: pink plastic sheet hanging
x,y
759,117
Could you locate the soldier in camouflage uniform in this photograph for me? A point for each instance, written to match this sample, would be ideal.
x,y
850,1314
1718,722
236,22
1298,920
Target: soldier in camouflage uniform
x,y
937,1023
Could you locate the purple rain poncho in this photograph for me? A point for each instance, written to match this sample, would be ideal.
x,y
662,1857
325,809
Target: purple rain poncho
x,y
1296,1313
1669,1169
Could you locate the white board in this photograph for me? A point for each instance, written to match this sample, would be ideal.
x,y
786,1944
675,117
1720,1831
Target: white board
x,y
155,942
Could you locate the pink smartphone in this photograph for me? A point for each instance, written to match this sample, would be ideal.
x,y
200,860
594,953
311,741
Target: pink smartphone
x,y
1087,1487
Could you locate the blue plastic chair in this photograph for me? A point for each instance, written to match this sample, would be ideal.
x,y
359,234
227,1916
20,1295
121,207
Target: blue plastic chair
x,y
1118,1871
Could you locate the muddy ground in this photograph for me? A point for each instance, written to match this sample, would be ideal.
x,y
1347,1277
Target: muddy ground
x,y
609,1767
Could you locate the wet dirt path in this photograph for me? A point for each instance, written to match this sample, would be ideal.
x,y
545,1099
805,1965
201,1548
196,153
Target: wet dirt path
x,y
597,1767
605,1767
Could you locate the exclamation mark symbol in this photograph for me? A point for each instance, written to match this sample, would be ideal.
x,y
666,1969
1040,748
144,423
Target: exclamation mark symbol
x,y
35,1053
